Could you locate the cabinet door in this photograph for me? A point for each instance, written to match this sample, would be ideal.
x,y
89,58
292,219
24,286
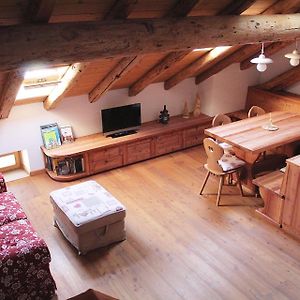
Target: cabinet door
x,y
102,160
193,136
169,142
137,151
291,211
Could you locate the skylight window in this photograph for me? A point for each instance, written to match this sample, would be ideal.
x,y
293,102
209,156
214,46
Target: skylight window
x,y
39,83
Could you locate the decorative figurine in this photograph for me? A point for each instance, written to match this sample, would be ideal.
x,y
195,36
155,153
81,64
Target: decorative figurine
x,y
186,113
197,110
164,116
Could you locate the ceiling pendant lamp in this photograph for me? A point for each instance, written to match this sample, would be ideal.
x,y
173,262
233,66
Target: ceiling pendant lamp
x,y
294,57
261,61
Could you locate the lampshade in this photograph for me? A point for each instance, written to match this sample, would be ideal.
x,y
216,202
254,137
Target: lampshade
x,y
261,61
294,57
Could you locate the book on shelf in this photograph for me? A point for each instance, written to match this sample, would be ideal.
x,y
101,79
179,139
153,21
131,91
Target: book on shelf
x,y
69,165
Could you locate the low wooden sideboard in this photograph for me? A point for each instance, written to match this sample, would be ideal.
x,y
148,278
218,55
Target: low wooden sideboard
x,y
281,194
96,153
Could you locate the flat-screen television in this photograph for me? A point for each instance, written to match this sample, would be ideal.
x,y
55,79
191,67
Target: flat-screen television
x,y
122,120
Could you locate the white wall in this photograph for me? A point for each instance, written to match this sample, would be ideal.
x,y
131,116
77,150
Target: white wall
x,y
226,91
21,131
280,65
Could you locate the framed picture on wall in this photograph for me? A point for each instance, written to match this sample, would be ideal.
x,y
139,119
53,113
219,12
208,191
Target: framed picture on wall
x,y
51,136
66,134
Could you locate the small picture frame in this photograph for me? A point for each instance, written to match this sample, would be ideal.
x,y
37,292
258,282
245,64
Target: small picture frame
x,y
51,136
66,134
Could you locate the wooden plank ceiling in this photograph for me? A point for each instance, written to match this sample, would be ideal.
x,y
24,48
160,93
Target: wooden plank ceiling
x,y
135,72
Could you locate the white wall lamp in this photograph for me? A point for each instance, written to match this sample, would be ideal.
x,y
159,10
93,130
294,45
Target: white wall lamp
x,y
261,61
294,57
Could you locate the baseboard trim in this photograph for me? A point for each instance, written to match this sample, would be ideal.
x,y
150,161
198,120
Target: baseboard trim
x,y
37,172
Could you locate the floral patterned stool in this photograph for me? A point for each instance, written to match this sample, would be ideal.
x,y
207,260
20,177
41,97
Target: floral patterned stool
x,y
88,216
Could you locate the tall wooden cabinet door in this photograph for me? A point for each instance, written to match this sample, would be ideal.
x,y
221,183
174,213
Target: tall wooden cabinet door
x,y
169,142
101,160
291,212
193,136
137,151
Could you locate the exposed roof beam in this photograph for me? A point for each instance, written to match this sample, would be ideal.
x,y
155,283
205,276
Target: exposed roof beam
x,y
150,76
235,7
112,77
235,57
181,8
203,61
41,10
281,6
282,81
10,91
70,79
121,9
67,42
269,51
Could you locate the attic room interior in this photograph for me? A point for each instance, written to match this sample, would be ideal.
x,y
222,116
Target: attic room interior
x,y
149,149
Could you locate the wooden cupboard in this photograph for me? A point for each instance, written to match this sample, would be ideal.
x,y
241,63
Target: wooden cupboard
x,y
281,194
97,153
291,190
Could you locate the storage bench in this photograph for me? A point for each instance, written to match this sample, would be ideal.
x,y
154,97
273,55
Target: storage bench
x,y
88,216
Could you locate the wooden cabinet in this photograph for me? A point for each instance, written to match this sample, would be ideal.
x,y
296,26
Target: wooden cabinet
x,y
291,189
166,143
138,151
100,153
281,195
193,136
101,160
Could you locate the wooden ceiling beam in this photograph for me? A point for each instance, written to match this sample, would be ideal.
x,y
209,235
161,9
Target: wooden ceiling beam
x,y
181,8
269,51
235,57
9,92
150,76
84,41
204,60
112,77
70,78
121,9
40,10
235,7
282,81
281,6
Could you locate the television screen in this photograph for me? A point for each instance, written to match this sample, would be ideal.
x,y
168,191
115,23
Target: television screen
x,y
121,118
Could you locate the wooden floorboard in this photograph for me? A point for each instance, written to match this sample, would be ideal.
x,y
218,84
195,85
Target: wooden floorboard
x,y
179,244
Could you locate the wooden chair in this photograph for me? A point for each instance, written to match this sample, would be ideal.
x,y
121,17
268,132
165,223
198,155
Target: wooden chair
x,y
255,111
220,165
220,119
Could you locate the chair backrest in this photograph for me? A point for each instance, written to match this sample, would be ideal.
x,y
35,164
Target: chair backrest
x,y
220,119
255,111
214,153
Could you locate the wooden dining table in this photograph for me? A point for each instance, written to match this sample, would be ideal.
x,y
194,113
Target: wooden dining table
x,y
249,139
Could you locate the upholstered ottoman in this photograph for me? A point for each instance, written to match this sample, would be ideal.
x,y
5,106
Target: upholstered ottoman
x,y
88,216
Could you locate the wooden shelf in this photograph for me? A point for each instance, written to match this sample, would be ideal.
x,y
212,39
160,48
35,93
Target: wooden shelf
x,y
102,153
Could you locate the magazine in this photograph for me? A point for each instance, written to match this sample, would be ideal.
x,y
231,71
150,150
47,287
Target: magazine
x,y
51,136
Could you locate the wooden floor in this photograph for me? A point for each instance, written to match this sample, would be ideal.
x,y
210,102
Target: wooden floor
x,y
179,244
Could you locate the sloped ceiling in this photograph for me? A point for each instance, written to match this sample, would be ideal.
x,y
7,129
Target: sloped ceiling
x,y
99,75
